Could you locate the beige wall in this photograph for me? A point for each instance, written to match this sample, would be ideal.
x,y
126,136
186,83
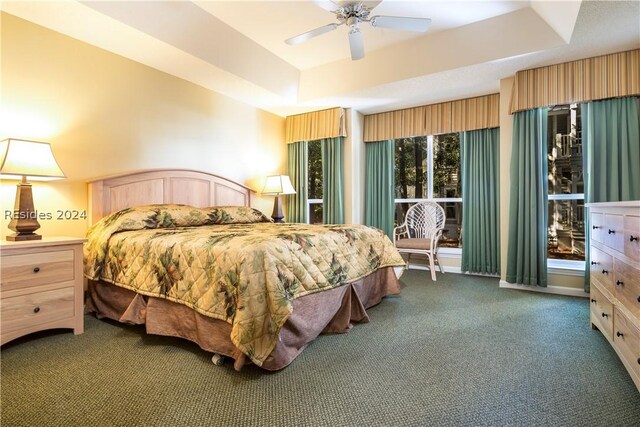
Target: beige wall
x,y
354,168
104,114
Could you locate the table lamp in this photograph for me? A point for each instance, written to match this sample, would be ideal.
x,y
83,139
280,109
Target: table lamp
x,y
20,159
278,185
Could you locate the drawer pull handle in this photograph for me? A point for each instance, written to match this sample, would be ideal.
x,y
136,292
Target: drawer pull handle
x,y
619,282
605,271
619,334
605,315
36,269
36,309
592,300
594,263
632,238
595,227
638,298
612,231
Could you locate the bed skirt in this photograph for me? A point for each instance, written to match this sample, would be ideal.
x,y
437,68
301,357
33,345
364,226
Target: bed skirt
x,y
330,311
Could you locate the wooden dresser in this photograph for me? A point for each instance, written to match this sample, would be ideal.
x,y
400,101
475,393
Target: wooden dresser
x,y
615,278
41,286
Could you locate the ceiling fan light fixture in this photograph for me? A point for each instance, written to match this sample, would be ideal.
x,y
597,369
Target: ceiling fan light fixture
x,y
356,44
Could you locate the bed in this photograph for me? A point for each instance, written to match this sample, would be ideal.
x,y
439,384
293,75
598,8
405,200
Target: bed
x,y
185,254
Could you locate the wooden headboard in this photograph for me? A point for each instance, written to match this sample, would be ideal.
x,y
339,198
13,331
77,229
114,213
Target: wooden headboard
x,y
189,187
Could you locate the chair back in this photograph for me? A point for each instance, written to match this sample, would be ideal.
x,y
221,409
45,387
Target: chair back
x,y
424,219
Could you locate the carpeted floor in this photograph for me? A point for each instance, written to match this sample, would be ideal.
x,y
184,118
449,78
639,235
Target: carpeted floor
x,y
456,352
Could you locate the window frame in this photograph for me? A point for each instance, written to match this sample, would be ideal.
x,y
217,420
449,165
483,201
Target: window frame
x,y
429,185
313,202
560,264
309,200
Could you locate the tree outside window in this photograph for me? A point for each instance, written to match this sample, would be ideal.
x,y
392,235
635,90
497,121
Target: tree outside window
x,y
447,186
428,168
314,194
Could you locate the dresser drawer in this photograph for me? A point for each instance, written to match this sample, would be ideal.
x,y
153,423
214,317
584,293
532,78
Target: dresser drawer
x,y
632,237
613,231
602,268
627,285
626,338
25,311
26,270
601,312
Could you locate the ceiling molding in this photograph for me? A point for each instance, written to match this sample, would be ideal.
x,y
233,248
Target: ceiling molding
x,y
561,16
196,32
496,38
453,61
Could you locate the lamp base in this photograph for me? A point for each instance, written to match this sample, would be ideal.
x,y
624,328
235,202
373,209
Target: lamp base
x,y
277,215
24,221
21,237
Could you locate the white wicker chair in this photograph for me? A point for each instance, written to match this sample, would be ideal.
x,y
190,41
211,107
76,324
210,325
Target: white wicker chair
x,y
420,233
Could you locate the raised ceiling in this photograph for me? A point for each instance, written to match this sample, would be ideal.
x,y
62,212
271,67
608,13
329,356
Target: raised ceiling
x,y
237,47
280,20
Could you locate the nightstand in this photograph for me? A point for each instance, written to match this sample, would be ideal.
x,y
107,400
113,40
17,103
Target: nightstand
x,y
41,286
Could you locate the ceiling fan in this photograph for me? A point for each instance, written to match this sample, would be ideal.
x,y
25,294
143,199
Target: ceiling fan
x,y
352,13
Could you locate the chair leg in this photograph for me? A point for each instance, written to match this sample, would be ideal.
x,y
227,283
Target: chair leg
x,y
439,264
408,259
432,267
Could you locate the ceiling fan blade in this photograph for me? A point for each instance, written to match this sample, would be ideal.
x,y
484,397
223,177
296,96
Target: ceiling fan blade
x,y
356,43
371,4
311,34
327,5
401,23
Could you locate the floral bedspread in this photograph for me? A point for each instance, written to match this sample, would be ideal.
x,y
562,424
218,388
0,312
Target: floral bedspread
x,y
231,263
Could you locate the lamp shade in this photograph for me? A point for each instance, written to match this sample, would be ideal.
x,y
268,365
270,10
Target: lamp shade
x,y
278,184
32,159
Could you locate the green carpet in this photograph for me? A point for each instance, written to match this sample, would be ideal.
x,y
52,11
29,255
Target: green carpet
x,y
456,352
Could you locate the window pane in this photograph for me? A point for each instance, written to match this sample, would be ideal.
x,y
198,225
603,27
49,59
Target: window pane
x,y
452,233
315,171
411,168
315,213
566,230
446,166
564,150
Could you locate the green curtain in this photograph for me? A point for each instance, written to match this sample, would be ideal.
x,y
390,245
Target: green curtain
x,y
379,185
610,155
297,162
611,150
332,180
480,176
527,243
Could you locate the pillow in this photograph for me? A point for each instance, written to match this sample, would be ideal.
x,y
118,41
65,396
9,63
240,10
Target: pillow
x,y
157,216
236,215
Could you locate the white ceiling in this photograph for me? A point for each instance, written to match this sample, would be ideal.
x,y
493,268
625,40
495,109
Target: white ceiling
x,y
236,47
280,20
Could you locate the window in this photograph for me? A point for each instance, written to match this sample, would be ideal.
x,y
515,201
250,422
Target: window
x,y
314,194
428,168
565,226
